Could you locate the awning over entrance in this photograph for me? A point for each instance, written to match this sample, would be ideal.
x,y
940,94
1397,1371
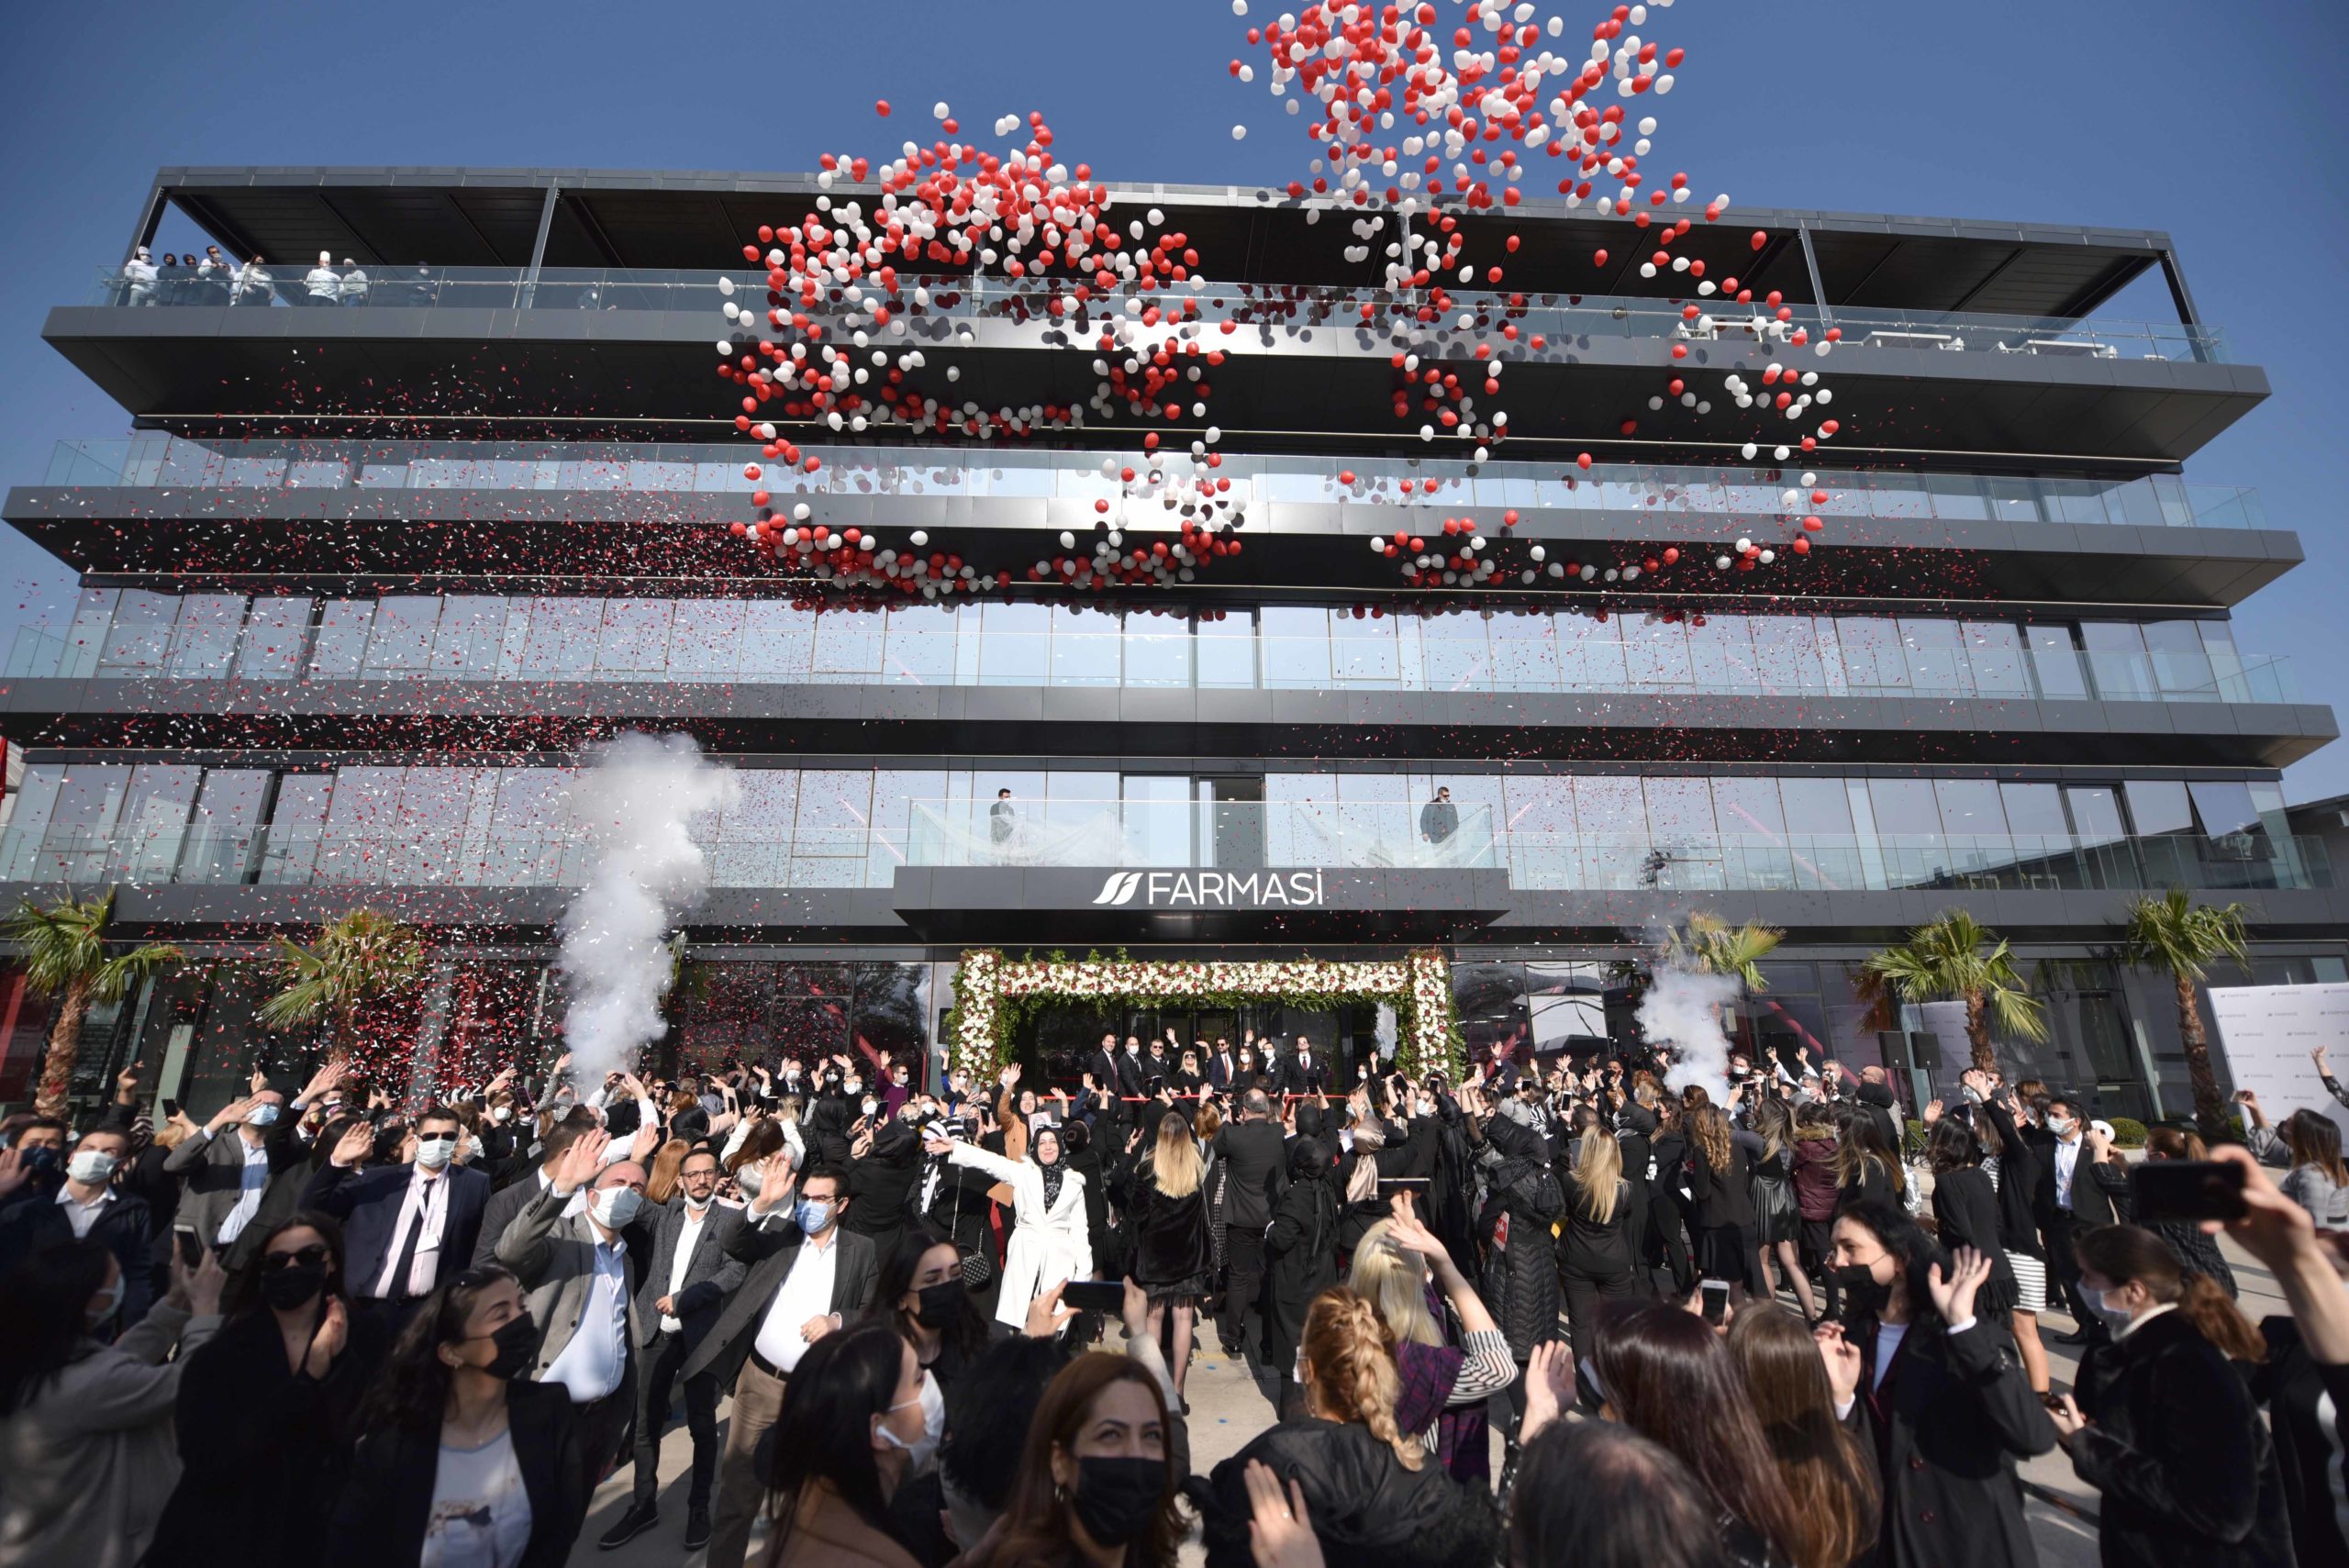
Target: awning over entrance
x,y
1014,906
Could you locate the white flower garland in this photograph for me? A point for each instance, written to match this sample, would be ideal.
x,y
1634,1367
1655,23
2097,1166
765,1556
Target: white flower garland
x,y
1418,986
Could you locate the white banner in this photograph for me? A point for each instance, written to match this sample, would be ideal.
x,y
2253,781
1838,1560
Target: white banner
x,y
2266,1032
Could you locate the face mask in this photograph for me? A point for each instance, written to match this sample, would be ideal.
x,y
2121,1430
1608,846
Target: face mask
x,y
937,1304
1861,1290
41,1161
852,1086
750,1180
295,1285
1117,1500
615,1207
434,1153
503,1113
908,1449
870,1106
2061,1126
105,1307
2114,1313
91,1167
814,1218
262,1115
515,1340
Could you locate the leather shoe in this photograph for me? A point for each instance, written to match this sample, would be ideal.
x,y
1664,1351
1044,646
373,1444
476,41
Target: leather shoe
x,y
640,1517
696,1529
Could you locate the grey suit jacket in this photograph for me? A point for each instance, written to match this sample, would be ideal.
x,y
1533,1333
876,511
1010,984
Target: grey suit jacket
x,y
504,1204
554,1259
213,1170
711,1275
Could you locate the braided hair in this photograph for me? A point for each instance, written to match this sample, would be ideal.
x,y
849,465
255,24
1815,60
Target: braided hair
x,y
1350,1357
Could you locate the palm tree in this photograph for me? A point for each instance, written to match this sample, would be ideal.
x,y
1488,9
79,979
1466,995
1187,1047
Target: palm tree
x,y
2182,938
358,956
65,953
1944,961
1711,944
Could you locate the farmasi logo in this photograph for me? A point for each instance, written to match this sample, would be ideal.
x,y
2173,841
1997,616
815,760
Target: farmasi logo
x,y
1211,889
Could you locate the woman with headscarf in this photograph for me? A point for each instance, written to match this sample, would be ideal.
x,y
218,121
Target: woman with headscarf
x,y
1050,1242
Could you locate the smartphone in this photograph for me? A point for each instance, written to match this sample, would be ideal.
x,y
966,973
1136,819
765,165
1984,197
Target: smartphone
x,y
1716,1301
1389,1185
2185,1189
191,1249
171,1109
1094,1295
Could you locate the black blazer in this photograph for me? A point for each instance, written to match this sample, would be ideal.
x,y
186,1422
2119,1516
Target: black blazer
x,y
711,1275
2018,1183
263,1451
498,1215
1591,1249
2186,1467
380,1521
369,1202
1222,1067
1948,1424
1965,1210
1306,1077
2094,1188
768,1252
1259,1164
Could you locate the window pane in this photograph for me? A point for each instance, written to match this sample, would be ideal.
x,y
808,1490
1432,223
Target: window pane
x,y
2158,805
273,635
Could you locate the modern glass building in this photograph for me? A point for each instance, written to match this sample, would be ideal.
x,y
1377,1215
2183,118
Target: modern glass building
x,y
370,569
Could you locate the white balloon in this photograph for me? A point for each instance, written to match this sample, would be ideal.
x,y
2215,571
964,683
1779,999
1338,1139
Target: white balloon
x,y
919,538
1068,540
1239,133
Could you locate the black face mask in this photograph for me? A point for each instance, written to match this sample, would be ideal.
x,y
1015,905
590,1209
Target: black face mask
x,y
296,1285
1117,1498
939,1304
1862,1292
517,1340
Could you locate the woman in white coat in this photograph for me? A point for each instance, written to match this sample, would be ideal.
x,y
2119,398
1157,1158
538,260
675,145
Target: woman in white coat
x,y
1048,1239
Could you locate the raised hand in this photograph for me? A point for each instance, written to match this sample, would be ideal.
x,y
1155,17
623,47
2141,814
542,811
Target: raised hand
x,y
1842,1359
775,1180
1280,1535
13,1173
325,1078
1045,1315
358,1141
233,1113
646,1139
334,1333
1549,1385
562,1064
205,1285
1933,1112
1954,1294
579,1164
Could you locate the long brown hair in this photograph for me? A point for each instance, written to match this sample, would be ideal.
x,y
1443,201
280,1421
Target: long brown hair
x,y
1670,1378
1037,1520
1708,1134
2175,1143
661,1182
2315,1140
1832,1487
2125,1253
1351,1357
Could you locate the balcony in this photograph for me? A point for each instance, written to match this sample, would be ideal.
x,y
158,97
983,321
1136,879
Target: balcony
x,y
1228,836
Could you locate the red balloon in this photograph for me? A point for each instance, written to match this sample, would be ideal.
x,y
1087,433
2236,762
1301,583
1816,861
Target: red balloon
x,y
1760,240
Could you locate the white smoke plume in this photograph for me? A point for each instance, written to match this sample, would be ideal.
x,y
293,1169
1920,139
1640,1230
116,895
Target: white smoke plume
x,y
1682,1007
635,801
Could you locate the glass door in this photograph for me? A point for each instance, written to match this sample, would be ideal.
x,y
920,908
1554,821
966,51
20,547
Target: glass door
x,y
1158,819
1231,823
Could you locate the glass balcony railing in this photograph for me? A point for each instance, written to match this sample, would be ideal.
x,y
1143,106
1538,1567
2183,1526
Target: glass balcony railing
x,y
476,637
1371,487
1564,319
1237,836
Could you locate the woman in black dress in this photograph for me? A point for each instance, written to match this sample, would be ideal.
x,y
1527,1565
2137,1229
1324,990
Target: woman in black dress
x,y
1165,1202
1966,1210
1777,1223
1720,1169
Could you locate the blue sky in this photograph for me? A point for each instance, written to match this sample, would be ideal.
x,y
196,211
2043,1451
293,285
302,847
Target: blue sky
x,y
2222,124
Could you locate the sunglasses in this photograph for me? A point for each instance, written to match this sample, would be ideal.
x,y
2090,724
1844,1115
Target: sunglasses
x,y
305,1257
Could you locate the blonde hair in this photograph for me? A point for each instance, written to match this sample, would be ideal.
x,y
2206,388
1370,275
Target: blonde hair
x,y
1351,1358
1598,1171
1175,1163
1709,1132
1394,1282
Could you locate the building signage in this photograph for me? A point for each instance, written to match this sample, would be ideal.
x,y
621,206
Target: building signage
x,y
1212,890
2265,1033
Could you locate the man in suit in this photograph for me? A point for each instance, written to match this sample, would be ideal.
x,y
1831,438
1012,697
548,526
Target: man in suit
x,y
574,1269
1222,1067
1299,1072
509,1199
237,1177
1101,1066
2076,1192
404,1228
1874,1096
1133,1080
807,1278
1258,1160
79,1199
688,1278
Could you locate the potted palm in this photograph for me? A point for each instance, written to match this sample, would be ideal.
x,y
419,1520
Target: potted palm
x,y
1955,958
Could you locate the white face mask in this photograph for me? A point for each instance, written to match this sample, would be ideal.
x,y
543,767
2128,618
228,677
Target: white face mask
x,y
92,1166
434,1152
921,1453
615,1207
503,1113
2061,1126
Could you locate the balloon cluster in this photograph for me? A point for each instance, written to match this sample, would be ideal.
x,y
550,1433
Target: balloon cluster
x,y
1408,134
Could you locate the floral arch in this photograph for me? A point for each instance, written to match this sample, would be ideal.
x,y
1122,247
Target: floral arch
x,y
994,994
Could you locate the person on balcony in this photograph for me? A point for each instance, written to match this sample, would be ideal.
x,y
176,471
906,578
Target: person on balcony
x,y
138,276
354,283
1439,819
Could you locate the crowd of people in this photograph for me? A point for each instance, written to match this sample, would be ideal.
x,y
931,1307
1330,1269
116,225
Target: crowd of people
x,y
1587,1314
211,278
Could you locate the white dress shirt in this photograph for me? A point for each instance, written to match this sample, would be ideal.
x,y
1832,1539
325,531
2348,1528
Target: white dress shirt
x,y
596,1360
82,1216
427,1203
2067,1155
688,1235
256,1178
806,1292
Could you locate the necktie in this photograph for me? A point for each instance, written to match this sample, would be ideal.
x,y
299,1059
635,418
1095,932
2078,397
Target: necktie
x,y
403,1270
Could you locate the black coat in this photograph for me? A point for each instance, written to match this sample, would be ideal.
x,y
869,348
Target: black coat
x,y
1722,1197
1966,1212
1252,1152
263,1451
1948,1425
2186,1467
1169,1234
386,1504
1301,1260
880,1187
125,1226
1590,1249
1522,1279
2018,1183
1368,1511
2307,1432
